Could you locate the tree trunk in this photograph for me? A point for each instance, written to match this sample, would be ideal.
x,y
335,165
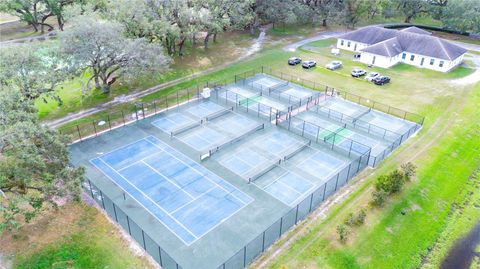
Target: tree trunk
x,y
180,47
408,19
215,37
105,85
194,39
97,83
60,23
106,88
324,22
205,41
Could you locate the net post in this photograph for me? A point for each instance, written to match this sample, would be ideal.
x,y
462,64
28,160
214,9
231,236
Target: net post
x,y
109,124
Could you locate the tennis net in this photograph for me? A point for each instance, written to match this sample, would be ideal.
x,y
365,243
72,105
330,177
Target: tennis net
x,y
235,139
185,128
277,86
292,151
218,114
262,170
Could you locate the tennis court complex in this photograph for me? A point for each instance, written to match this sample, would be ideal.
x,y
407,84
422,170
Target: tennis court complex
x,y
215,181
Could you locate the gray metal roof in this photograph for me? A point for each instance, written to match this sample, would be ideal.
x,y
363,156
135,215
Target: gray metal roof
x,y
389,42
416,30
389,47
370,35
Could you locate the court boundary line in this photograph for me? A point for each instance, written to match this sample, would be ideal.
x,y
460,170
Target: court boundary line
x,y
201,174
168,214
142,205
287,171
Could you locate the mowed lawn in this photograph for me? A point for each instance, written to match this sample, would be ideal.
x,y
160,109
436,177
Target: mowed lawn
x,y
75,236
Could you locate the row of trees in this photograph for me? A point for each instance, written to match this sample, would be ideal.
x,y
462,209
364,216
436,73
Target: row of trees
x,y
173,23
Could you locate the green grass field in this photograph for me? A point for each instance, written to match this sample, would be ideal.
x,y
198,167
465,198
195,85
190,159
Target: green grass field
x,y
391,239
76,236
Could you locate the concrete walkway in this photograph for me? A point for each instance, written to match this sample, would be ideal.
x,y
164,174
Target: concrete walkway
x,y
321,36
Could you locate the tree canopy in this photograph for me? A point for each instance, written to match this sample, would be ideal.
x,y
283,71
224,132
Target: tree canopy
x,y
34,163
101,47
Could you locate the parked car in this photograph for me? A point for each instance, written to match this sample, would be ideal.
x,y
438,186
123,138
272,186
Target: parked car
x,y
380,80
294,61
309,64
334,65
357,72
371,76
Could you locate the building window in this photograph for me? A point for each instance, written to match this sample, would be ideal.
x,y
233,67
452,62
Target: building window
x,y
341,42
441,63
348,44
404,55
432,61
412,57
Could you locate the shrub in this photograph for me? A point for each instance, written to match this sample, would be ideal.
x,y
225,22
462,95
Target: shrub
x,y
397,180
378,198
350,220
390,183
342,232
409,170
360,217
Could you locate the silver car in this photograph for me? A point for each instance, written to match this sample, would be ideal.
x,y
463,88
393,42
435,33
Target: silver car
x,y
371,76
333,65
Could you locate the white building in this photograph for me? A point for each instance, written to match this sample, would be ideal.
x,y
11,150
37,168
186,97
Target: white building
x,y
386,47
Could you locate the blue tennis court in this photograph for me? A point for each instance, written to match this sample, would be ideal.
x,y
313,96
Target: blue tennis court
x,y
285,186
182,194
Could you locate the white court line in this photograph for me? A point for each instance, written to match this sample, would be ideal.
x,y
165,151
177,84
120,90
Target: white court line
x,y
162,175
200,173
203,194
207,177
153,214
141,204
241,160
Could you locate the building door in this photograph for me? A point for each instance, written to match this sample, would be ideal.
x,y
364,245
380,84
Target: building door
x,y
355,48
373,59
421,62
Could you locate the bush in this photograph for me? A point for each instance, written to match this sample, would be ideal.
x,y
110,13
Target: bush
x,y
360,218
409,170
379,197
342,232
390,183
350,220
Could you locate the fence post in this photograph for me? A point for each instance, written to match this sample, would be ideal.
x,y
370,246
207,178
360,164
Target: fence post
x,y
101,197
109,124
115,212
324,191
123,118
136,112
91,190
336,182
296,215
245,256
143,111
281,224
79,135
94,128
263,242
160,255
143,239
